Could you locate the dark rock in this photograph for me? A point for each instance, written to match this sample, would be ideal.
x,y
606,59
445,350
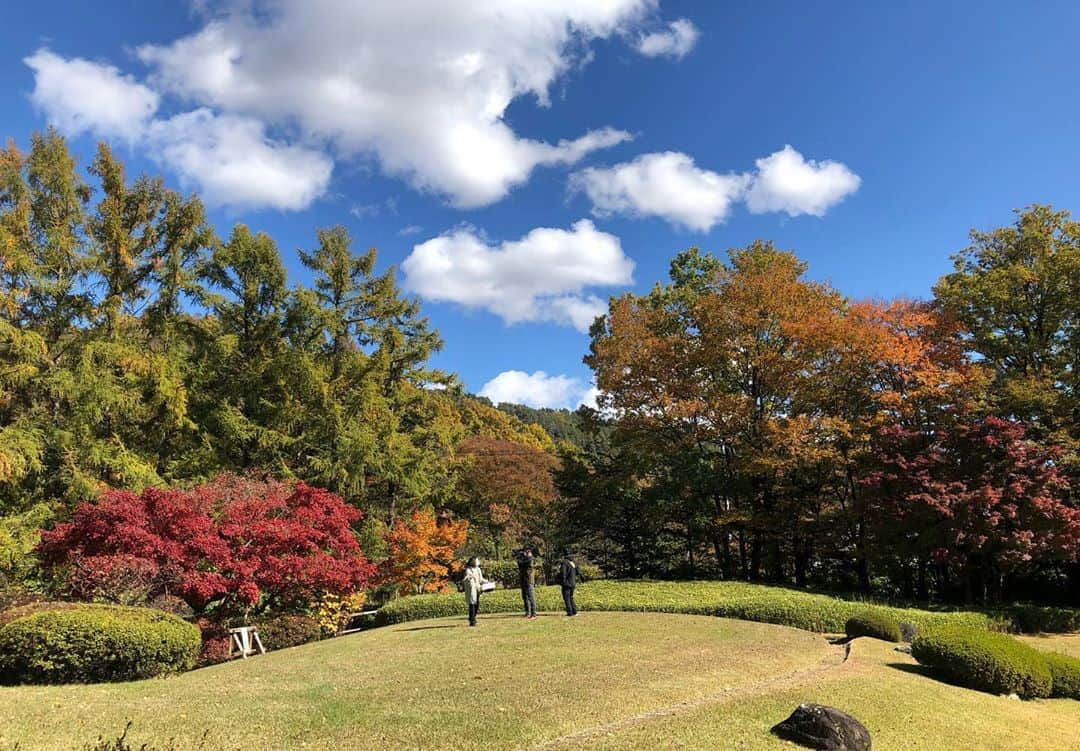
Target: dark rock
x,y
824,728
905,648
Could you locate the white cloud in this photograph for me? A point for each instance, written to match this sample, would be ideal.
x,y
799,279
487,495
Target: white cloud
x,y
589,398
536,390
231,161
228,158
670,186
785,181
666,185
541,277
80,96
422,85
675,41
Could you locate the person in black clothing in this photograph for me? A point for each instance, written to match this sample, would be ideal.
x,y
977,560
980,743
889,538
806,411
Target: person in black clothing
x,y
568,572
527,578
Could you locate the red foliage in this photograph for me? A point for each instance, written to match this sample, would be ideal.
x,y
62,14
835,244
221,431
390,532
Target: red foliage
x,y
232,542
122,579
977,495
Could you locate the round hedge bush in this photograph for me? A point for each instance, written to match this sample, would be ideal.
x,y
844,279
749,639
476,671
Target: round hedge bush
x,y
984,660
95,643
873,623
1066,674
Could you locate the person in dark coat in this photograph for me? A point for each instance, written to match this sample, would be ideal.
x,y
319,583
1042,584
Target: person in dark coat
x,y
527,579
568,573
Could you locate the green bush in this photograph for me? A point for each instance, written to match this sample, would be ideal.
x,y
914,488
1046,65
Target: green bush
x,y
284,631
751,602
1028,618
93,643
873,623
984,660
1065,671
506,572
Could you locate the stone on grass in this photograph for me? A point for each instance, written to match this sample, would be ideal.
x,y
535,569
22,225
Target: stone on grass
x,y
824,728
905,648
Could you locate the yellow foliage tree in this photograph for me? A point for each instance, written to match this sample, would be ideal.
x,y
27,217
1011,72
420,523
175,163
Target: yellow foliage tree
x,y
422,552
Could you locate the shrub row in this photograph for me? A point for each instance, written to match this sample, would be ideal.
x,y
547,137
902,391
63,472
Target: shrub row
x,y
1065,672
506,572
275,632
1028,618
997,663
873,623
752,602
94,643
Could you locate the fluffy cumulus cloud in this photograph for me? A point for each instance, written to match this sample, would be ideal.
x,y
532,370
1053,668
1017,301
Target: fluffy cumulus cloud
x,y
670,186
80,96
422,85
667,185
787,182
537,390
544,276
231,161
675,41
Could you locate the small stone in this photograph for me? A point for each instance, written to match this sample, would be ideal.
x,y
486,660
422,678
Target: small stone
x,y
905,648
1014,696
824,728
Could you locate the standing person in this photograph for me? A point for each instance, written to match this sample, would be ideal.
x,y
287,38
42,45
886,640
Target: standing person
x,y
474,579
568,572
527,578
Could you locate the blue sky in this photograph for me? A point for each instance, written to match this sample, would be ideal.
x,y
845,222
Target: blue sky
x,y
522,160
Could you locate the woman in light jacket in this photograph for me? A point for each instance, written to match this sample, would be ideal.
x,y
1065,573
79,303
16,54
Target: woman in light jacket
x,y
474,578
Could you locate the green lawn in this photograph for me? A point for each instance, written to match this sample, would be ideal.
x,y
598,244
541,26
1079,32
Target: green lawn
x,y
601,680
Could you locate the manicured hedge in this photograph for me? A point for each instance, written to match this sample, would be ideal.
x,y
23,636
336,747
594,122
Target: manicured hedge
x,y
983,660
873,623
1028,618
1065,671
284,631
94,643
752,602
506,572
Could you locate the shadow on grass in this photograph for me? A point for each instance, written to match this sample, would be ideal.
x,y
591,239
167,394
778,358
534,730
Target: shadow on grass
x,y
429,628
925,672
914,669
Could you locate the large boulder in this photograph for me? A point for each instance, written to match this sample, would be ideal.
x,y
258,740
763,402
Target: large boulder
x,y
824,728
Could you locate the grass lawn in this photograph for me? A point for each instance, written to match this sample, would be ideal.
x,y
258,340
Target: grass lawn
x,y
601,680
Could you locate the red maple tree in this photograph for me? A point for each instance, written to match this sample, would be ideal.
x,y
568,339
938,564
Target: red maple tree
x,y
978,497
233,543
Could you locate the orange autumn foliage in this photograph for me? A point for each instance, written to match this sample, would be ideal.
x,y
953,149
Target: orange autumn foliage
x,y
422,552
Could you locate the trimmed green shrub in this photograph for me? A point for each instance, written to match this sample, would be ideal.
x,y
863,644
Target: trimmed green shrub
x,y
908,631
94,643
284,631
506,572
1065,671
1028,618
984,660
751,602
873,623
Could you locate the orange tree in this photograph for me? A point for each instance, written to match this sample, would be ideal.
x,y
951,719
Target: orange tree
x,y
422,552
507,489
